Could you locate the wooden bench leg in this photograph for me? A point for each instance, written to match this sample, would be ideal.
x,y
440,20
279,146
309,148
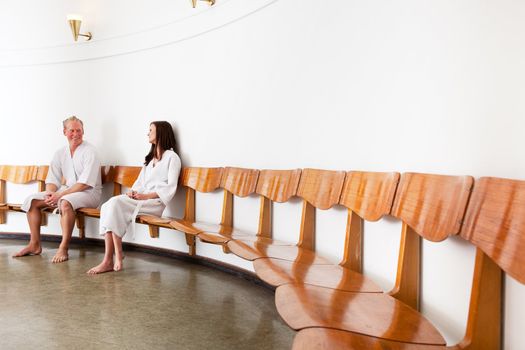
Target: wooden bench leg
x,y
3,216
190,241
43,221
3,213
484,320
407,284
153,231
81,226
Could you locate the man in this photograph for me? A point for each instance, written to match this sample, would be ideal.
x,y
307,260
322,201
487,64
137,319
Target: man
x,y
79,166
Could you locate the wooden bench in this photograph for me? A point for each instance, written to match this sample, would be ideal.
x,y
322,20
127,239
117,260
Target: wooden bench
x,y
19,174
334,306
367,196
319,189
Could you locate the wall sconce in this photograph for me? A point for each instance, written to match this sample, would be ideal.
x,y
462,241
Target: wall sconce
x,y
194,2
74,22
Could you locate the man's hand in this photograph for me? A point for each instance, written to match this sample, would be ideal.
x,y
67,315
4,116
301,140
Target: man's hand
x,y
52,198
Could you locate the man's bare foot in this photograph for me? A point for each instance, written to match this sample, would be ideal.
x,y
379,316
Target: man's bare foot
x,y
29,250
60,256
118,263
104,266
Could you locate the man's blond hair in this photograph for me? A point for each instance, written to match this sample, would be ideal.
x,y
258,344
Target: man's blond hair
x,y
72,119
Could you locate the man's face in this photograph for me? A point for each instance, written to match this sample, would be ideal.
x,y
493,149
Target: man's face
x,y
74,133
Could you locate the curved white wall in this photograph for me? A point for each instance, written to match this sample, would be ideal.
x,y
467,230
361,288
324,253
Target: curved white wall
x,y
376,85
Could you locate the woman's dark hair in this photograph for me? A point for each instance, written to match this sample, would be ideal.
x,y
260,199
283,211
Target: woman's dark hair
x,y
165,139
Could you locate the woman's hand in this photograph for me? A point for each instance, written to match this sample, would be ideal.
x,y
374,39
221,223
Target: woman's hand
x,y
140,196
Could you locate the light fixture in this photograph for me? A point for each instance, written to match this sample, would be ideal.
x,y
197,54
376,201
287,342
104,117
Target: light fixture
x,y
74,22
194,2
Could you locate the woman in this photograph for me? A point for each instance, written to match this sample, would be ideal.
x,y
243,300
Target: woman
x,y
154,188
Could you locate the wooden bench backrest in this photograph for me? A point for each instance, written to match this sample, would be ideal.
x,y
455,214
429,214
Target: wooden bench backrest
x,y
321,188
278,185
202,179
432,205
495,223
240,182
19,174
122,176
369,194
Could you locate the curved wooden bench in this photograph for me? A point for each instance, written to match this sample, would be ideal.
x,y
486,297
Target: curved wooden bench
x,y
319,189
19,174
272,186
435,205
367,196
335,306
495,224
203,180
235,182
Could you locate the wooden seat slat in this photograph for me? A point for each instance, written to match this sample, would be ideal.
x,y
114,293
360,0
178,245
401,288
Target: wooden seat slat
x,y
277,272
185,226
154,220
91,212
374,314
331,339
255,250
15,207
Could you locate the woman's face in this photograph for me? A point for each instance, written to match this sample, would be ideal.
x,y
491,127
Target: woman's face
x,y
152,134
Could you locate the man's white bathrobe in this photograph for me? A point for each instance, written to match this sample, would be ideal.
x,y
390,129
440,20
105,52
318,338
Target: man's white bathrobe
x,y
119,213
83,167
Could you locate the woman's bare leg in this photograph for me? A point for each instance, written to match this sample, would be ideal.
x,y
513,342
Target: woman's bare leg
x,y
119,255
107,263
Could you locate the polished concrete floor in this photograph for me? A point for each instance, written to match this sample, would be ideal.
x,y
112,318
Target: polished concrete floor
x,y
154,303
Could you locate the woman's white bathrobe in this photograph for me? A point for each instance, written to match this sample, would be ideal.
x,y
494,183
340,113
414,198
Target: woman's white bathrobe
x,y
119,213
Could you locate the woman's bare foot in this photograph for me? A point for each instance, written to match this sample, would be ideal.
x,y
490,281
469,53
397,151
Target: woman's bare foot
x,y
60,256
118,263
104,266
31,249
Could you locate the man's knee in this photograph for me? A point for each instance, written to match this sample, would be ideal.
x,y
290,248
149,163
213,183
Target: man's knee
x,y
37,204
65,207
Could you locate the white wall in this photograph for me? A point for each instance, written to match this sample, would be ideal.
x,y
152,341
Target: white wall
x,y
429,86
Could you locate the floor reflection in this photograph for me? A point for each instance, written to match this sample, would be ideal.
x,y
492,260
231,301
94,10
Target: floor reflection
x,y
155,302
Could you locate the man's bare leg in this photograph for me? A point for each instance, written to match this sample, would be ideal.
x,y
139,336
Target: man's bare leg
x,y
34,218
119,255
67,222
107,263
